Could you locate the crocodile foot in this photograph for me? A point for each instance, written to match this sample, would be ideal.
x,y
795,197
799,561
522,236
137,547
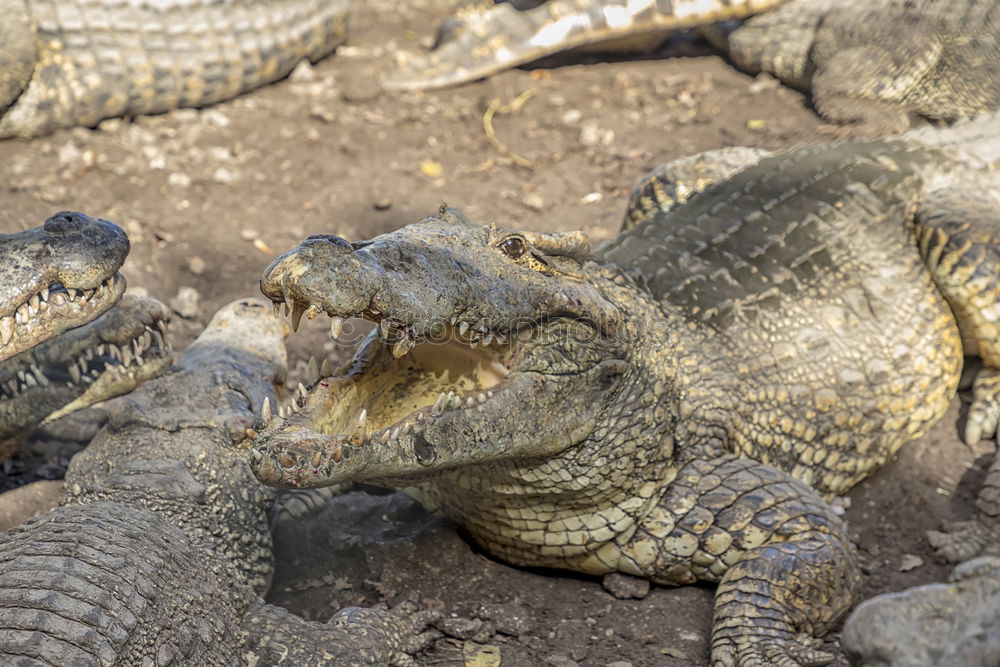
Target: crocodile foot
x,y
751,651
984,413
962,540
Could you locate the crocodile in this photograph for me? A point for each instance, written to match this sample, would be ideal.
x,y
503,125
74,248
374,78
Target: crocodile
x,y
104,358
76,63
873,64
57,276
672,404
952,623
161,548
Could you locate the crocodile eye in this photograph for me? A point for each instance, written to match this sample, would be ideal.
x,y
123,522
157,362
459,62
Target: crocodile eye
x,y
513,247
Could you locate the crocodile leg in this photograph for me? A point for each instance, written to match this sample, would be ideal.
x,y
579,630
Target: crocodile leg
x,y
784,564
960,241
675,182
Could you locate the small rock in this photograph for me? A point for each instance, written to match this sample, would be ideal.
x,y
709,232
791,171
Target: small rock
x,y
248,234
625,587
909,562
674,653
179,179
215,117
224,176
466,628
510,618
534,201
303,72
383,204
560,661
196,265
571,117
187,303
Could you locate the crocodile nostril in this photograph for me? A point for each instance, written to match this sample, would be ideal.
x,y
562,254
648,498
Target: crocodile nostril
x,y
327,243
66,222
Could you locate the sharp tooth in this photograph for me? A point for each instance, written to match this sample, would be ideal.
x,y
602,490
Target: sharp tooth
x,y
88,355
384,438
395,434
481,398
37,372
24,313
357,438
147,339
58,299
161,325
100,350
265,410
438,406
136,347
114,352
44,294
403,346
126,352
74,373
325,370
13,386
89,293
6,329
470,401
302,390
313,370
489,394
405,428
454,319
337,454
297,310
30,381
336,326
385,329
462,328
312,311
277,308
33,304
158,337
20,376
317,459
281,411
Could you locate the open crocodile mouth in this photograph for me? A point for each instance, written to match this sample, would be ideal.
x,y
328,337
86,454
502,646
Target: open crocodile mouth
x,y
56,308
391,391
98,368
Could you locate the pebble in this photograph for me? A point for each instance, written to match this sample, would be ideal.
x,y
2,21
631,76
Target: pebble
x,y
187,303
179,179
196,265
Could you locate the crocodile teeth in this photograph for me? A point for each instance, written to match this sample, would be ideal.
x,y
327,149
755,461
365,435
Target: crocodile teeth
x,y
44,294
265,410
463,327
74,373
385,329
325,370
302,390
313,371
357,438
402,346
277,308
37,372
6,329
384,438
297,311
336,326
313,311
438,406
337,454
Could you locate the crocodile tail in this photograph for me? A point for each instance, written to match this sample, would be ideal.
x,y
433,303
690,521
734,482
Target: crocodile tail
x,y
18,51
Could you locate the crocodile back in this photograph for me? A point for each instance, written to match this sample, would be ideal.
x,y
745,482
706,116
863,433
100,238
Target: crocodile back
x,y
99,59
783,229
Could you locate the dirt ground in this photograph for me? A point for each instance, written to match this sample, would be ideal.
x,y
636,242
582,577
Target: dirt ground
x,y
210,197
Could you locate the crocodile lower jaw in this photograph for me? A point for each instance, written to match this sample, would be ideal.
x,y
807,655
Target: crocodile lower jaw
x,y
54,309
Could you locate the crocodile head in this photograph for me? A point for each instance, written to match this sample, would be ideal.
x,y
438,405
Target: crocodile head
x,y
110,356
56,277
491,343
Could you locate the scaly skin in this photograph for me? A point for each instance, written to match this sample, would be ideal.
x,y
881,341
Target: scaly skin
x,y
654,407
952,623
484,40
867,63
64,64
104,358
161,547
39,267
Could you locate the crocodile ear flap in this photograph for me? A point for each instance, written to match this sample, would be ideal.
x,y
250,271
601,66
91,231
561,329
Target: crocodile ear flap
x,y
574,245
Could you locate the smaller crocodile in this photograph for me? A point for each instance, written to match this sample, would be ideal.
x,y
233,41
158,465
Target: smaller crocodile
x,y
872,63
104,358
956,624
161,548
76,62
58,276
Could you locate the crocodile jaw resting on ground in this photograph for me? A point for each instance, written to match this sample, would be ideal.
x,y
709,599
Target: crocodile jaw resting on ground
x,y
107,357
56,277
161,547
606,411
67,63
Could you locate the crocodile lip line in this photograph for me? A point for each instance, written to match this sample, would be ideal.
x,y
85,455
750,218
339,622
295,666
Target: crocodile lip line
x,y
393,389
54,302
